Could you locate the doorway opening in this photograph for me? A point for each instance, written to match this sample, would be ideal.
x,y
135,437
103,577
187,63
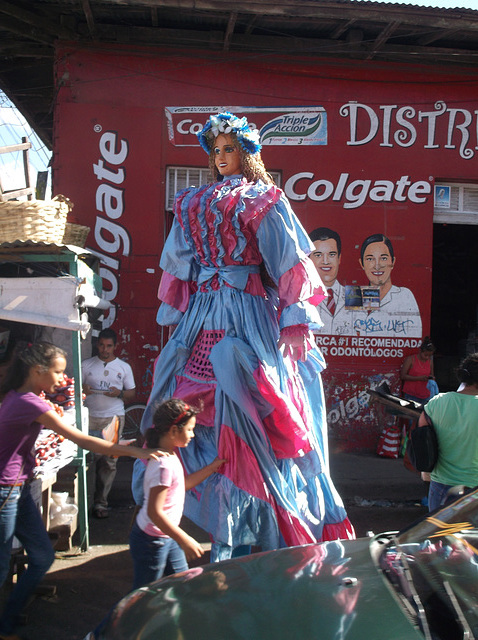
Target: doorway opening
x,y
454,309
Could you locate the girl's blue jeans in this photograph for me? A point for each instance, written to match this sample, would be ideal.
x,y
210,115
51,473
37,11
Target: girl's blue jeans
x,y
437,494
20,517
154,557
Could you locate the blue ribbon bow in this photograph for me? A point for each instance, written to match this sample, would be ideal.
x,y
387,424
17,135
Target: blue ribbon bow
x,y
234,275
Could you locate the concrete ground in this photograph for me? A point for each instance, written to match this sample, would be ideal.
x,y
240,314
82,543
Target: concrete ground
x,y
380,495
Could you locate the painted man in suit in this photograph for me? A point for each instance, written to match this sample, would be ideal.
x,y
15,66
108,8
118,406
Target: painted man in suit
x,y
326,257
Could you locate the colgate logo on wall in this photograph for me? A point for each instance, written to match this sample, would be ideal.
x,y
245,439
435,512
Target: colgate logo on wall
x,y
289,126
111,237
354,193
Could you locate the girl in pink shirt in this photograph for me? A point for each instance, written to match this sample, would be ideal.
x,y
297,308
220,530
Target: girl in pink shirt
x,y
158,545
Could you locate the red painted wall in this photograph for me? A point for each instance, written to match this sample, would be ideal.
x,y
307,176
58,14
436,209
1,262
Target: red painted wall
x,y
388,134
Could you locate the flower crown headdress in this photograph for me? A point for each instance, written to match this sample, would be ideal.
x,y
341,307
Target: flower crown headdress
x,y
248,138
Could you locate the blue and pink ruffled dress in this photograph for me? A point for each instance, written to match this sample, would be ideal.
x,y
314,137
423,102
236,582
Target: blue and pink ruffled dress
x,y
263,413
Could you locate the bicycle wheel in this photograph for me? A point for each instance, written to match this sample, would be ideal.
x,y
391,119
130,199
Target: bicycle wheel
x,y
132,421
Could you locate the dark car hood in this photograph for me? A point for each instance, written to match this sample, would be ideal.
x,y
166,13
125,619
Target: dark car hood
x,y
323,591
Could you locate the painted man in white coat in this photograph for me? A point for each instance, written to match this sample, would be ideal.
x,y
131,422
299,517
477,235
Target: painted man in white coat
x,y
326,258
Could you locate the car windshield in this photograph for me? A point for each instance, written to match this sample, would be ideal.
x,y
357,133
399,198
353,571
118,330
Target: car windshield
x,y
433,566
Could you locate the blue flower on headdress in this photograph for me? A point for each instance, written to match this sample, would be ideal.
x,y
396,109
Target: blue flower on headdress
x,y
248,138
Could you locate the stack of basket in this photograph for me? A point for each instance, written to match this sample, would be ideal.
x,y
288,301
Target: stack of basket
x,y
75,234
40,221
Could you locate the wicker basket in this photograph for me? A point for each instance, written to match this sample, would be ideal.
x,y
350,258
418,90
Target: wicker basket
x,y
75,234
39,220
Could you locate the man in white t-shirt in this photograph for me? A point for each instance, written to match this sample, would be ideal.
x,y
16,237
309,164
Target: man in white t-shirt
x,y
108,383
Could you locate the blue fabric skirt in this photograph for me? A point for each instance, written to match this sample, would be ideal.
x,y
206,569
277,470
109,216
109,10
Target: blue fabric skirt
x,y
264,413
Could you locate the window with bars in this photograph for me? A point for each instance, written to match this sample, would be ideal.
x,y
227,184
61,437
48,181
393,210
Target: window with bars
x,y
459,205
178,178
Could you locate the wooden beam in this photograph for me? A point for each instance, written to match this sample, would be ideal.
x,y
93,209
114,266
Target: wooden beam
x,y
27,190
13,48
90,20
230,30
154,17
26,166
251,25
428,55
411,15
10,148
354,39
34,20
436,35
345,26
382,38
27,31
13,194
291,45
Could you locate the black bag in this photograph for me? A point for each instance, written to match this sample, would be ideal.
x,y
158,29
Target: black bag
x,y
422,446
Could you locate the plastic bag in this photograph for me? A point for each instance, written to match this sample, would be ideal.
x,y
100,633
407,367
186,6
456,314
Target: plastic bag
x,y
110,432
62,509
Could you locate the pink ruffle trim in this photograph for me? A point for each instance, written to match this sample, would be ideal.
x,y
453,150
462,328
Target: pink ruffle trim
x,y
286,424
241,466
197,394
256,208
341,531
295,330
301,284
174,292
292,529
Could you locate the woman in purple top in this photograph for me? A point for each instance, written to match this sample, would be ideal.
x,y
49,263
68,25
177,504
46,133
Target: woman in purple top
x,y
23,413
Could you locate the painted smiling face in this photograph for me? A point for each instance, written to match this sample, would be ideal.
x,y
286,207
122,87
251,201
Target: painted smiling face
x,y
227,156
378,264
326,259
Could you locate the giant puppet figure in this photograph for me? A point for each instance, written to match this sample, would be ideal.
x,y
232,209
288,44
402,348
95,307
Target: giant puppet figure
x,y
241,291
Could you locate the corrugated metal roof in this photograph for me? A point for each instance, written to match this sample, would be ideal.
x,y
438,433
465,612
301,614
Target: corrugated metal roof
x,y
411,5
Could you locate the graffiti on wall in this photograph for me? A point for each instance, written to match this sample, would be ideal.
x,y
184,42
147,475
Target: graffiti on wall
x,y
354,419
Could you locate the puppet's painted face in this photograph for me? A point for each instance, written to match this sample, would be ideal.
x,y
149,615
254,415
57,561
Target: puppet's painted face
x,y
227,157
